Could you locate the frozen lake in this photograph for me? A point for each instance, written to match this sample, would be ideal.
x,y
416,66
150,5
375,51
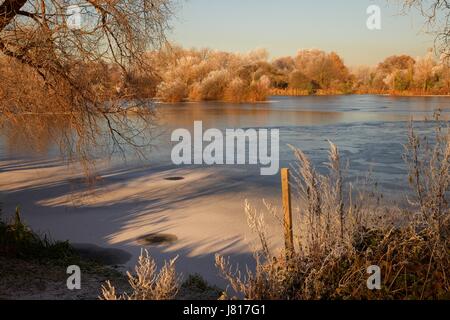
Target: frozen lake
x,y
204,209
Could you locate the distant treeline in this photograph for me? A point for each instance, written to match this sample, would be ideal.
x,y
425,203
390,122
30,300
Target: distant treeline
x,y
213,75
174,74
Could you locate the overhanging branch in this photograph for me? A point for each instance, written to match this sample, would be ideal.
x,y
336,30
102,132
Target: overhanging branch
x,y
8,10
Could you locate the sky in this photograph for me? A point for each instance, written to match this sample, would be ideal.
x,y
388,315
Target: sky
x,y
285,26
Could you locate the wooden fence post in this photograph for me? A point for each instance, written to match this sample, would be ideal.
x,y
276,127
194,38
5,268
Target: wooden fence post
x,y
287,210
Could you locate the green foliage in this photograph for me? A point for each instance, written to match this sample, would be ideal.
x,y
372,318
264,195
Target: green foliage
x,y
298,80
196,281
18,241
402,81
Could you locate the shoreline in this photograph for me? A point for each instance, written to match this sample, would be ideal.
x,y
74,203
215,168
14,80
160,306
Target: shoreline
x,y
185,102
362,94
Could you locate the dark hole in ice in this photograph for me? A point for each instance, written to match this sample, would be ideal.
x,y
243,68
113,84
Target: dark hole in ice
x,y
156,239
174,178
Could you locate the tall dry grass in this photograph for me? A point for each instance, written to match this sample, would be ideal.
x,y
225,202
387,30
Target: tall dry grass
x,y
342,230
148,283
429,170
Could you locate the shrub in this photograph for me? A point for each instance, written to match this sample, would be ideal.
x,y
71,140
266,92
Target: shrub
x,y
341,236
172,91
18,241
259,90
148,284
297,80
236,91
212,87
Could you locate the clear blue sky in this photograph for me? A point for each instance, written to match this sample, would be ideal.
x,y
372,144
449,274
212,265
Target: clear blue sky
x,y
285,26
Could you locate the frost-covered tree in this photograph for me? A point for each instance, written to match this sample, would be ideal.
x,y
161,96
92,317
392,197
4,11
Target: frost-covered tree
x,y
425,71
212,75
326,69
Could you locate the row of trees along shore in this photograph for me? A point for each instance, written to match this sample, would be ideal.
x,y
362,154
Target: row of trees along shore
x,y
214,75
175,74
